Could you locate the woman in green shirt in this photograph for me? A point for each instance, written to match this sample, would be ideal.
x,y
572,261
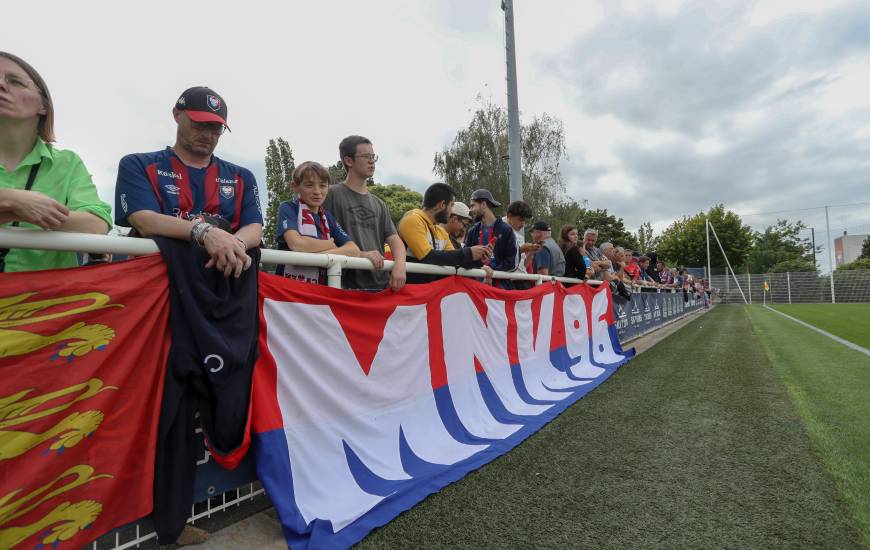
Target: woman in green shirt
x,y
40,186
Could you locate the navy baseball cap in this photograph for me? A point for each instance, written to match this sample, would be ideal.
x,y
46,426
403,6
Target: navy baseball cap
x,y
202,104
485,195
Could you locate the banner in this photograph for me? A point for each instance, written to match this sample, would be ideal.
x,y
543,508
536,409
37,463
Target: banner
x,y
364,404
647,311
82,357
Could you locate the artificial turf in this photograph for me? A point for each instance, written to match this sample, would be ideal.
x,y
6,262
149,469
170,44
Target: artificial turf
x,y
694,443
830,385
848,321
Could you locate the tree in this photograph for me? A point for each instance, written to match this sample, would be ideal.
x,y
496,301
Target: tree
x,y
646,242
478,158
865,248
684,242
860,263
399,199
279,169
610,228
338,173
562,213
778,244
793,265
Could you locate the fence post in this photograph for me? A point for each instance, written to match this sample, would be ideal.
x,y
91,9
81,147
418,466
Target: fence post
x,y
788,282
333,273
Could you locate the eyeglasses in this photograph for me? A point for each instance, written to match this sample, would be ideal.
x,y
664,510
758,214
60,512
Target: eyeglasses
x,y
369,157
17,82
208,127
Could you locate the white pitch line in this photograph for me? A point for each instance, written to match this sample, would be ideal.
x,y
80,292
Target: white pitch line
x,y
834,337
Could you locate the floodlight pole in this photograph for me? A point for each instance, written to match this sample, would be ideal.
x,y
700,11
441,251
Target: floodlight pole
x,y
830,255
514,145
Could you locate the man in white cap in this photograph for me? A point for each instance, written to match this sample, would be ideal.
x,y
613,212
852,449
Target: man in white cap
x,y
457,224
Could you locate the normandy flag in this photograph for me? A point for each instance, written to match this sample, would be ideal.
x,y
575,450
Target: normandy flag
x,y
82,357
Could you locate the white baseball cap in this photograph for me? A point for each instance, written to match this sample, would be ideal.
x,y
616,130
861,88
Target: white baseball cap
x,y
460,209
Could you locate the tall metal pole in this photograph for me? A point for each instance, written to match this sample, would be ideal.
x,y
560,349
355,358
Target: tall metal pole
x,y
514,146
709,273
813,232
830,255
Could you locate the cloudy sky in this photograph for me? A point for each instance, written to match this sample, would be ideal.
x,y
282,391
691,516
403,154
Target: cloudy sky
x,y
668,106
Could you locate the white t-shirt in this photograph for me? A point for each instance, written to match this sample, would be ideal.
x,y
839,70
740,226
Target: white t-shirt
x,y
521,240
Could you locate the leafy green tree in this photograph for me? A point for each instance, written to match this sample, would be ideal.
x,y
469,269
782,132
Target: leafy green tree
x,y
684,242
478,158
777,244
610,228
793,265
865,248
338,173
646,241
860,263
562,213
399,199
279,169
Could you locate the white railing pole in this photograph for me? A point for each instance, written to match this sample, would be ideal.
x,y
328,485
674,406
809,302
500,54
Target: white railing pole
x,y
788,283
333,275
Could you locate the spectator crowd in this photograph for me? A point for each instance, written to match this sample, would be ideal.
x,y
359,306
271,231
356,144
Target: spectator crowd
x,y
186,192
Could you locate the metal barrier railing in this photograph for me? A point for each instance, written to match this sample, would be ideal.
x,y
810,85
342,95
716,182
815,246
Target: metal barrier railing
x,y
334,264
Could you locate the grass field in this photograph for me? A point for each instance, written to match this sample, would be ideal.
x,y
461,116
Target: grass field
x,y
741,430
848,321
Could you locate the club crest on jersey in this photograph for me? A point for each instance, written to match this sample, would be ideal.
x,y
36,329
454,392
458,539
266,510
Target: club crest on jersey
x,y
227,191
214,103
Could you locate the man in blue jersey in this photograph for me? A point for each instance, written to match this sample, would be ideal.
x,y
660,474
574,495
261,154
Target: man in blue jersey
x,y
185,192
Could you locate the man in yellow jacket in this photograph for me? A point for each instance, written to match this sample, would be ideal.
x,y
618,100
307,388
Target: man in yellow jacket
x,y
429,243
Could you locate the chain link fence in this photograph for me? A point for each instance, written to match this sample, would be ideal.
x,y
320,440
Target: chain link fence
x,y
794,288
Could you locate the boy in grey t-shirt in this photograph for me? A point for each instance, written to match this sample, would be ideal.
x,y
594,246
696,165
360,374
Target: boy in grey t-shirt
x,y
366,218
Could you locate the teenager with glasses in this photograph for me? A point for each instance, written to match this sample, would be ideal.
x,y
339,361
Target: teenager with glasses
x,y
366,218
41,186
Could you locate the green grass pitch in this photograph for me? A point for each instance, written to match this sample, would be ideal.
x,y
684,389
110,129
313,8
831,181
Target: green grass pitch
x,y
741,430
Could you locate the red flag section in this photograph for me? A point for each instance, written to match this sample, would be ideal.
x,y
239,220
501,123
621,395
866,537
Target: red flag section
x,y
82,357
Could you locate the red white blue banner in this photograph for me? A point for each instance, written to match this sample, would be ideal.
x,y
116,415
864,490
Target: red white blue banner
x,y
364,404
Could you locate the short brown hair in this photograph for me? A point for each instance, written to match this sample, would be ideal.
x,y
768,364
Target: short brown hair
x,y
309,167
45,129
347,147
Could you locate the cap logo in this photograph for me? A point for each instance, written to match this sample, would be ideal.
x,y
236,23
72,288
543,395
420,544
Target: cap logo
x,y
181,101
214,103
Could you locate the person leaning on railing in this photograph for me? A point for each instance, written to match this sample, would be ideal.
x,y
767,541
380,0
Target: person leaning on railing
x,y
186,192
428,243
40,186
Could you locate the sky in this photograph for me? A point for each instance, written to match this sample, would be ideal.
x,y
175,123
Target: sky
x,y
668,106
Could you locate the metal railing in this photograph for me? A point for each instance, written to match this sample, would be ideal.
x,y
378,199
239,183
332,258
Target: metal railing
x,y
333,263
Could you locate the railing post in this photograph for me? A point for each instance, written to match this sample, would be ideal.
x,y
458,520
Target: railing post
x,y
788,283
333,273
